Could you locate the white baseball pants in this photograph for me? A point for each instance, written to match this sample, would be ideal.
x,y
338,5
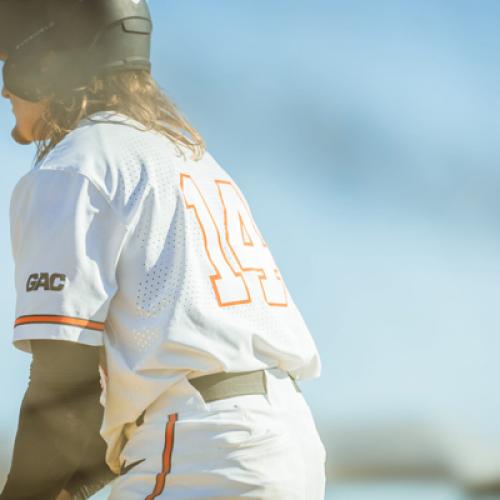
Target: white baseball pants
x,y
252,446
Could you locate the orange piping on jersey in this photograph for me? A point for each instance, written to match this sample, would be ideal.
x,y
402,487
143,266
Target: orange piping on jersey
x,y
53,319
217,276
260,272
166,459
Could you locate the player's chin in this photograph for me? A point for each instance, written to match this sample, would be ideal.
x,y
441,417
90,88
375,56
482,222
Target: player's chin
x,y
19,137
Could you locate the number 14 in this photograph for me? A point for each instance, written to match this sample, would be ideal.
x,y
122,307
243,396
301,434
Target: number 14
x,y
244,241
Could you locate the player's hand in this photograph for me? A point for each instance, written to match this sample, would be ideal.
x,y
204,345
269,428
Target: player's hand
x,y
64,495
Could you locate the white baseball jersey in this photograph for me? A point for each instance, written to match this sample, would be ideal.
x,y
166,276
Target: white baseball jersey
x,y
122,241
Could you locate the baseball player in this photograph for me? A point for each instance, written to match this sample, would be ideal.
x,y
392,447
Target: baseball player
x,y
140,269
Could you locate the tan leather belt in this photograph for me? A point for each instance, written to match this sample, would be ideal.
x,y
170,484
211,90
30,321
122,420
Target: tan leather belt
x,y
227,385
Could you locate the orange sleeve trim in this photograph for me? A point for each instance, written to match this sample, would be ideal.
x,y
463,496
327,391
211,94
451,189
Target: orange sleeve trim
x,y
53,319
166,459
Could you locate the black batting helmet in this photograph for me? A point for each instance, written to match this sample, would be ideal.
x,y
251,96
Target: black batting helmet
x,y
54,43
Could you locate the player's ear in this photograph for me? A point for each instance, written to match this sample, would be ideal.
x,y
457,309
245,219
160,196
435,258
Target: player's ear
x,y
3,56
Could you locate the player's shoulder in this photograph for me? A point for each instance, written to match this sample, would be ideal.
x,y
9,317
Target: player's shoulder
x,y
105,141
111,148
115,153
122,159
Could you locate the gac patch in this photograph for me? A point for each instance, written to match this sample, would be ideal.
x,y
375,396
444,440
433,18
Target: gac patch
x,y
50,282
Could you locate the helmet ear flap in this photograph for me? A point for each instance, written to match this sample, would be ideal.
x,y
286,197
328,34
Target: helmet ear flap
x,y
21,78
35,77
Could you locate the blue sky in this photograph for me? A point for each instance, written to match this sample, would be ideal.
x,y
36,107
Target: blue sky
x,y
364,135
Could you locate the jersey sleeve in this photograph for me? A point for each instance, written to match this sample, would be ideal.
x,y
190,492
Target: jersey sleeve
x,y
66,242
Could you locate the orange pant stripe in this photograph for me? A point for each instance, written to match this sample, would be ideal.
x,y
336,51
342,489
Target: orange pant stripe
x,y
167,458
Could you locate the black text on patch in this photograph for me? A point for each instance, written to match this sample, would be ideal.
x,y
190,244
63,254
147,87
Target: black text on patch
x,y
50,282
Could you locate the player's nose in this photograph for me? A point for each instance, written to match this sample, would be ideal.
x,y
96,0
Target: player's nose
x,y
3,57
5,92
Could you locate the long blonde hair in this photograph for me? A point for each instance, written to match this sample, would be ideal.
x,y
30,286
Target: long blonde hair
x,y
132,93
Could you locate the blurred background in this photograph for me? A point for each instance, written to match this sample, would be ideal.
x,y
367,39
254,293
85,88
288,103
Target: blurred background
x,y
364,135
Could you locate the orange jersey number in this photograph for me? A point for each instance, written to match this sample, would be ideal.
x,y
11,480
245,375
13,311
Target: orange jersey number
x,y
238,234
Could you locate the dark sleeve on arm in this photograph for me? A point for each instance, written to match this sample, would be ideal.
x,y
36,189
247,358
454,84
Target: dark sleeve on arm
x,y
93,473
59,408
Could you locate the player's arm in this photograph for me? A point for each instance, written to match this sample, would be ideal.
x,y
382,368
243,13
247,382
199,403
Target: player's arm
x,y
66,241
61,404
93,473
